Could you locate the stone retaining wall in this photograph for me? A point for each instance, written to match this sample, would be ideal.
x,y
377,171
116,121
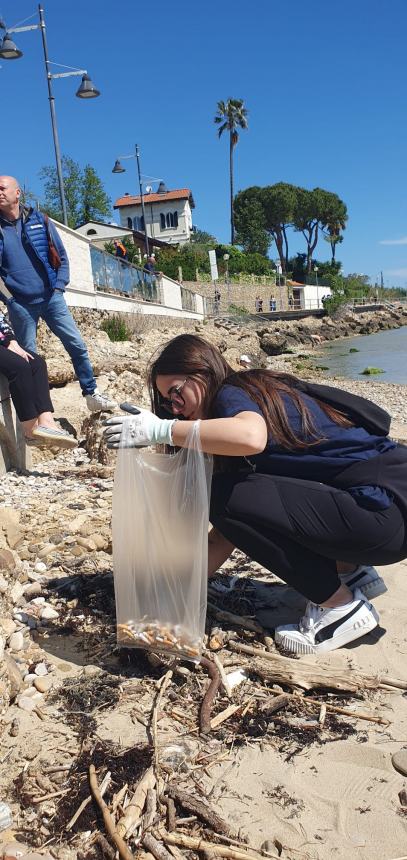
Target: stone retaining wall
x,y
242,295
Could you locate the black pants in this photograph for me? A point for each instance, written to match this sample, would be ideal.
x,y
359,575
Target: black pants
x,y
28,382
298,529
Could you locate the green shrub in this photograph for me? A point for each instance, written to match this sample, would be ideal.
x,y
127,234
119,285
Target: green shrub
x,y
353,349
240,310
117,328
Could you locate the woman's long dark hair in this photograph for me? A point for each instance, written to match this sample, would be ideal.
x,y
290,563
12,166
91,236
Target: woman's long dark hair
x,y
192,356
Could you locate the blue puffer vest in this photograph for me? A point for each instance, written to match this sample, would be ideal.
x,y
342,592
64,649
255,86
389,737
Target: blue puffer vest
x,y
35,232
34,235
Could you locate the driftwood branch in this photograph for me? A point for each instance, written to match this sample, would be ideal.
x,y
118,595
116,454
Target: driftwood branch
x,y
298,673
205,713
121,846
169,803
196,844
102,788
267,707
132,815
164,682
203,812
155,847
237,620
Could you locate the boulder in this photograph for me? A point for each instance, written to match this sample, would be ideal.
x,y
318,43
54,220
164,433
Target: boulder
x,y
274,344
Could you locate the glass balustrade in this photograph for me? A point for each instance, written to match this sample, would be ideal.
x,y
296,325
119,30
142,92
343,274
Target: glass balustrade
x,y
112,274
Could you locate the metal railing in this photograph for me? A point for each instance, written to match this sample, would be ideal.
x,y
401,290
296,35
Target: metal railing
x,y
113,274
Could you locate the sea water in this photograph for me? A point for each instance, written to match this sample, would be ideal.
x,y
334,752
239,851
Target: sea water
x,y
386,350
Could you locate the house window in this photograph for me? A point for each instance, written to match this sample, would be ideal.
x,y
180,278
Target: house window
x,y
130,223
91,232
138,223
168,221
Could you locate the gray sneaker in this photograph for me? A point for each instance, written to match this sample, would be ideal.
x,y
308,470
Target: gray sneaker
x,y
98,402
367,579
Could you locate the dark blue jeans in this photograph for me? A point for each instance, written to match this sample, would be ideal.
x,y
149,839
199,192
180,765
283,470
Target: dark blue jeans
x,y
56,314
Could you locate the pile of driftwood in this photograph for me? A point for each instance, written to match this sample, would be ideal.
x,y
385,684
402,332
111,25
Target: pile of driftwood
x,y
159,819
253,692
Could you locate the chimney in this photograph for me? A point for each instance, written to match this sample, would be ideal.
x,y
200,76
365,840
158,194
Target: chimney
x,y
162,188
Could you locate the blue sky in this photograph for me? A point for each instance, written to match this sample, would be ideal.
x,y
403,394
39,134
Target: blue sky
x,y
324,84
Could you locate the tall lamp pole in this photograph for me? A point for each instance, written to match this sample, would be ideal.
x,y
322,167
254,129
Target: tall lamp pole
x,y
86,90
118,168
53,117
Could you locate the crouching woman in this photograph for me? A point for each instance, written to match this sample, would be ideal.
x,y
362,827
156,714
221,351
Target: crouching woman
x,y
310,485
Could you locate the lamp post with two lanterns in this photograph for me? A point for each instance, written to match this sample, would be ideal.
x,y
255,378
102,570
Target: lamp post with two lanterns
x,y
118,168
86,90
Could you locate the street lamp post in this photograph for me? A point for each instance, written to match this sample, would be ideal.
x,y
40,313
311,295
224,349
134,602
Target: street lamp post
x,y
86,90
118,168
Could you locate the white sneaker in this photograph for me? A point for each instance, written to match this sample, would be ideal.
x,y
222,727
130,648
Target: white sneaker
x,y
367,579
98,402
324,629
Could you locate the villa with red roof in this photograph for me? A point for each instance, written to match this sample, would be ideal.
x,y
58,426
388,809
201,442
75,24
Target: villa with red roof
x,y
168,214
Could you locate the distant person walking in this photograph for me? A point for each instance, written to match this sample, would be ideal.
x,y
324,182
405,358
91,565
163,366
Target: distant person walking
x,y
217,300
290,302
120,250
273,304
258,305
35,269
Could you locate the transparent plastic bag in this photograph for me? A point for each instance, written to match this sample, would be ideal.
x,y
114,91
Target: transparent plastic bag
x,y
160,547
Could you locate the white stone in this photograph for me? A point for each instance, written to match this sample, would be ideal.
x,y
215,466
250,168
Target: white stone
x,y
8,626
40,567
48,614
27,703
38,601
46,550
29,679
41,669
3,585
16,641
30,691
16,592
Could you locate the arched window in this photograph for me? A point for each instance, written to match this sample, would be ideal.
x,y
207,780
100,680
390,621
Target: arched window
x,y
168,221
138,223
91,232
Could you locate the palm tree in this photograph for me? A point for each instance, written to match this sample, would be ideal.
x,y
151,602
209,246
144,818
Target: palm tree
x,y
231,115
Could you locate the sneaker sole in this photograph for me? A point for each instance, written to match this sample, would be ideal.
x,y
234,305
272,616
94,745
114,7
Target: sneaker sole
x,y
333,644
371,588
374,588
101,408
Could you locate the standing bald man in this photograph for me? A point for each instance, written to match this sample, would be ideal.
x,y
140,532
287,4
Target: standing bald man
x,y
35,284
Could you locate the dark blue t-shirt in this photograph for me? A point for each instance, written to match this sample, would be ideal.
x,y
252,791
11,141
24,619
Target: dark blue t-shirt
x,y
341,446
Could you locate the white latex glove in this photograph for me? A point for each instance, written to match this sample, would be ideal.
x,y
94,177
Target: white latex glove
x,y
138,431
